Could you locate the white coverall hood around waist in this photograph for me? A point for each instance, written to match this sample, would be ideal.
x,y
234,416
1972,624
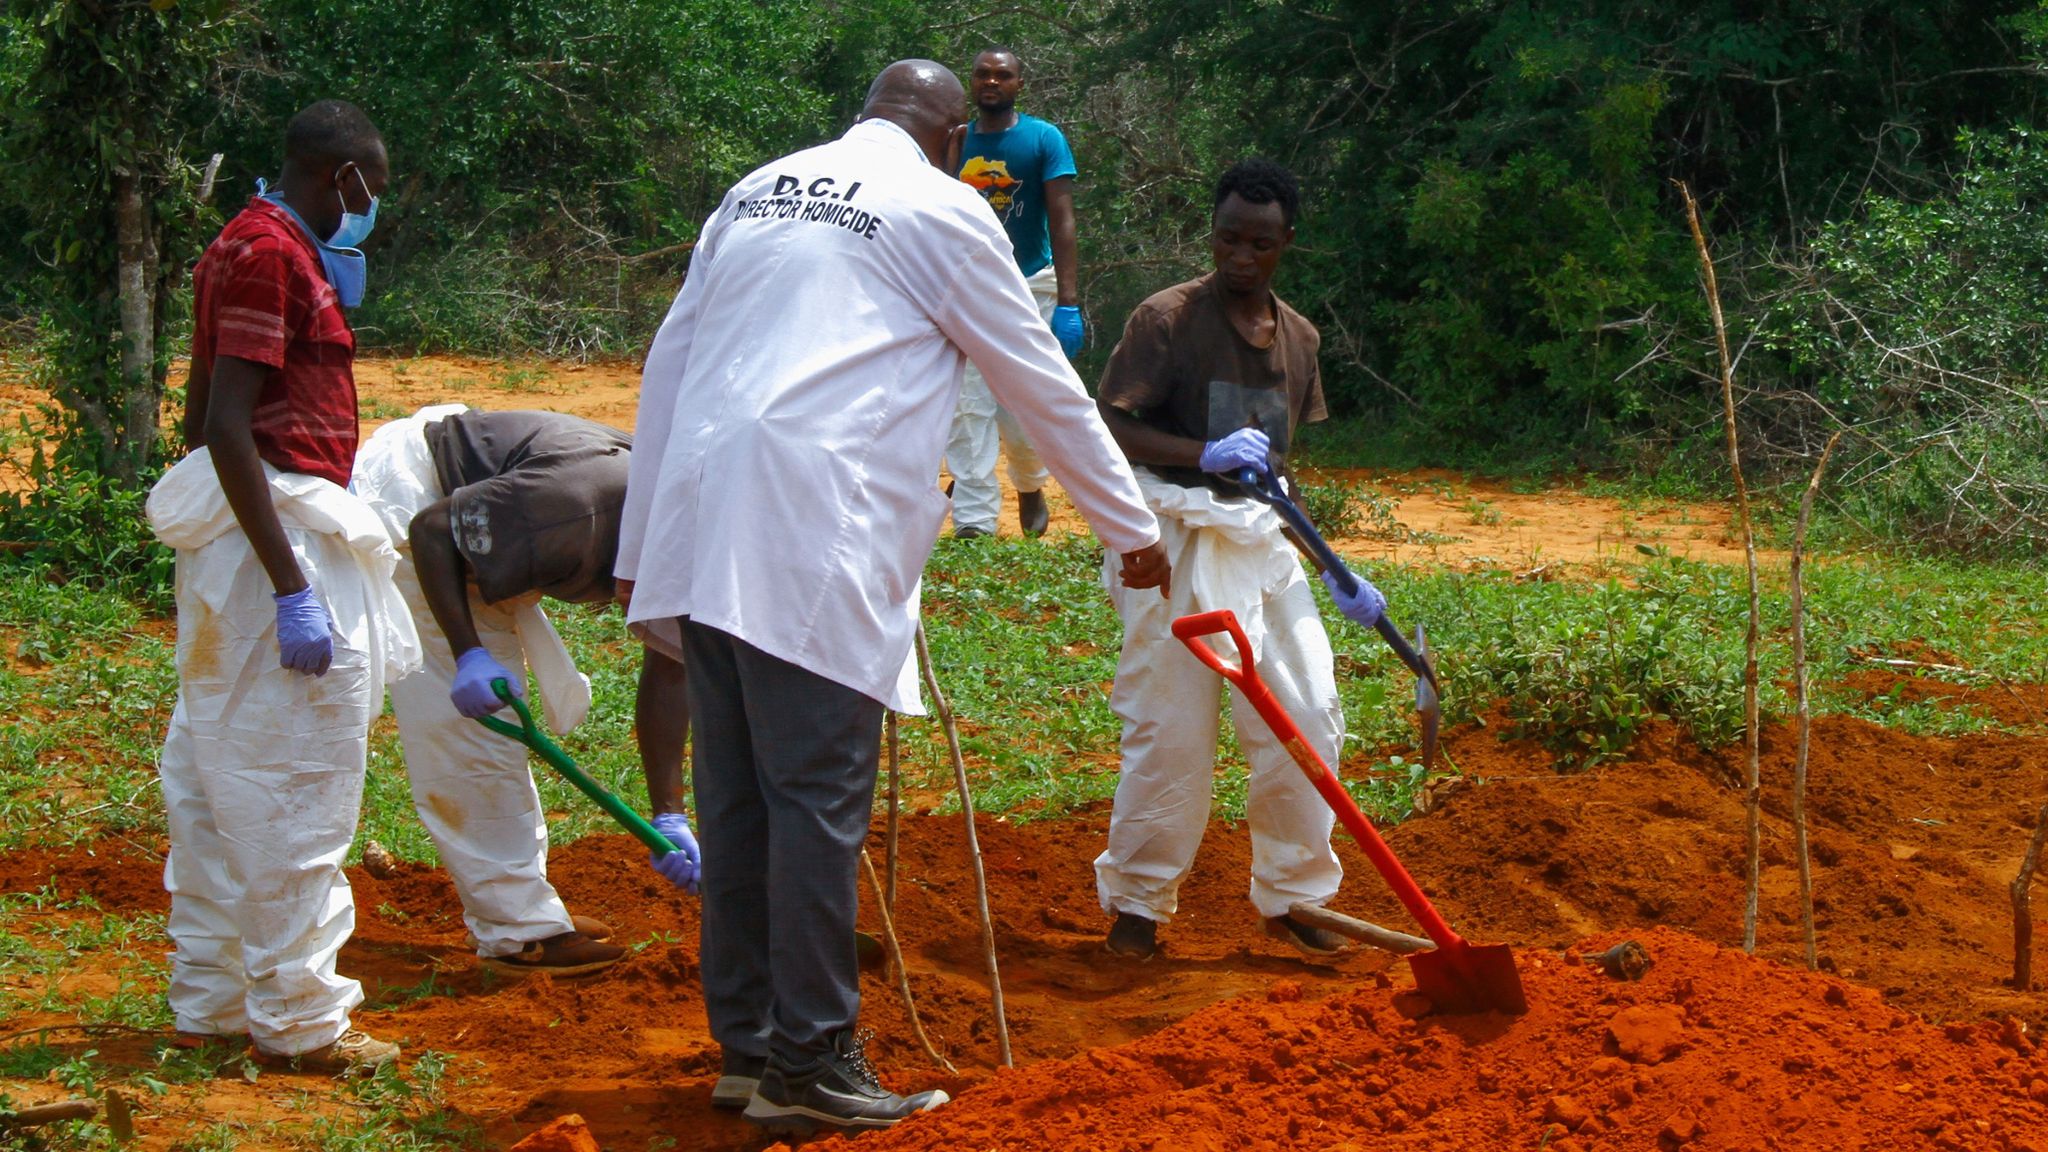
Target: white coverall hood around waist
x,y
1232,556
188,509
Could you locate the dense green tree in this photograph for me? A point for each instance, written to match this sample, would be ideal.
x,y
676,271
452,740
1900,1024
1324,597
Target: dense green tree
x,y
1491,229
104,102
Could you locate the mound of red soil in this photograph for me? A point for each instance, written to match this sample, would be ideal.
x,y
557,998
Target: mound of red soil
x,y
1914,842
1711,1050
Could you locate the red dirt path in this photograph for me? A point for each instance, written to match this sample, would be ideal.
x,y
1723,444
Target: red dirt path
x,y
1915,840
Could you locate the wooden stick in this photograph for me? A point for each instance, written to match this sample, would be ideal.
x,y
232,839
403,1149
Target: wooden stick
x,y
1365,931
988,924
41,1114
895,810
867,865
1801,686
1751,727
2022,914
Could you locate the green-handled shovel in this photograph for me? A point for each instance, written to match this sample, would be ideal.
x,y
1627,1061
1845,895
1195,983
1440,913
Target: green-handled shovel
x,y
870,951
530,734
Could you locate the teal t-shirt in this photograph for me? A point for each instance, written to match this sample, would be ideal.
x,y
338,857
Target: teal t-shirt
x,y
1009,169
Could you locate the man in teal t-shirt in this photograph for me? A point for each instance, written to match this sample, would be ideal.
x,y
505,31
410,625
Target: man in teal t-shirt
x,y
1022,166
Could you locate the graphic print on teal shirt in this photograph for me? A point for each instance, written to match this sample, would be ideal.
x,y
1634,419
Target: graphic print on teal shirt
x,y
1009,169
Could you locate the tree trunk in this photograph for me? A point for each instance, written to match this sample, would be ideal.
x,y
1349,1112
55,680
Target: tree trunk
x,y
141,397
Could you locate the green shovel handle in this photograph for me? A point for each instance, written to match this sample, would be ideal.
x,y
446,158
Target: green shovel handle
x,y
530,734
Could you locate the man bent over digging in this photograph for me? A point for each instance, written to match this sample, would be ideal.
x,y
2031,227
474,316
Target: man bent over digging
x,y
1211,377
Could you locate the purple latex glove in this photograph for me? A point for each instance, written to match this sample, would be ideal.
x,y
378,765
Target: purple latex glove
x,y
1363,607
305,636
680,867
472,693
1244,448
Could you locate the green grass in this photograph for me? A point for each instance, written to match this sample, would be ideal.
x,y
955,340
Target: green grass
x,y
1025,644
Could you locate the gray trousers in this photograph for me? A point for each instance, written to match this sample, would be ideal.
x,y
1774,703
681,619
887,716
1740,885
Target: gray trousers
x,y
784,770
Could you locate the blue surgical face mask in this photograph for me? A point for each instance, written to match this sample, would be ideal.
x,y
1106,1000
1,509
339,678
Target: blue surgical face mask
x,y
345,267
355,228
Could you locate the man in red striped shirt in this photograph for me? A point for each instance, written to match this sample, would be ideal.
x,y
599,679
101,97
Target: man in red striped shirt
x,y
285,633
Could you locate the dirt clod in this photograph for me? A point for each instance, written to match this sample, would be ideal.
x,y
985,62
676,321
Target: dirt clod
x,y
562,1134
1566,1111
1678,1131
1647,1033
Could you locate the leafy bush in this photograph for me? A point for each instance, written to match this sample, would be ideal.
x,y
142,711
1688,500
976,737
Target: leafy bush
x,y
82,526
1348,508
1921,328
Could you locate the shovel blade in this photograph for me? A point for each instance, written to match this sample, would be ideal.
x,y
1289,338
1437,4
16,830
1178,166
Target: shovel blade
x,y
1427,706
1468,978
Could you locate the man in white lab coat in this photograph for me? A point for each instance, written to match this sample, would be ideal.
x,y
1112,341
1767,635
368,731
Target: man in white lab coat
x,y
781,504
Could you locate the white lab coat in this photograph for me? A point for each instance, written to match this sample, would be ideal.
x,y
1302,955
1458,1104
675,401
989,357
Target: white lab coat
x,y
984,430
1225,554
471,786
262,768
796,403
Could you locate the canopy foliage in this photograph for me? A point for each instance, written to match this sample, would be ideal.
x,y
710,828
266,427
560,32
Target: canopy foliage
x,y
1491,244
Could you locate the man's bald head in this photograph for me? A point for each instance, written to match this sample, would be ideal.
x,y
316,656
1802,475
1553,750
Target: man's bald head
x,y
923,98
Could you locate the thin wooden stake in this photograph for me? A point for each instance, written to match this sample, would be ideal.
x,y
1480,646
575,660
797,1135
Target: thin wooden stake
x,y
895,811
988,924
1801,686
1749,673
2022,913
867,864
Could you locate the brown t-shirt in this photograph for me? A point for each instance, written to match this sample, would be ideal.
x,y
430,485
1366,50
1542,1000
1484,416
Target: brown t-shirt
x,y
535,499
1182,367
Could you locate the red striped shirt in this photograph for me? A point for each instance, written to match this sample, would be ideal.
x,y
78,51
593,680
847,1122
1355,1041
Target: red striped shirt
x,y
259,294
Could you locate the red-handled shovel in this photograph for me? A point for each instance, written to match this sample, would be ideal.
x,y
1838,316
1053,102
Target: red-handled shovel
x,y
1457,976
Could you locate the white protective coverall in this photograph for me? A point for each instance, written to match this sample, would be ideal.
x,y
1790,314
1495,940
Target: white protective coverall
x,y
984,430
1225,554
471,786
262,769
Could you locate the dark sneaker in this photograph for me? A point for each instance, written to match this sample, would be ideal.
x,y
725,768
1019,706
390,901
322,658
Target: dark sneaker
x,y
738,1076
569,954
970,533
356,1053
837,1090
1032,514
1134,936
1306,937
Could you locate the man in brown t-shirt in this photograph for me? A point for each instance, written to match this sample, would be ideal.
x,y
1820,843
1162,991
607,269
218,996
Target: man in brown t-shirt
x,y
493,512
1212,377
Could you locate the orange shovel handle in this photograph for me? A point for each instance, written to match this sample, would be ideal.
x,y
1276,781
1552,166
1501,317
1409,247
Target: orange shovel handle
x,y
1190,630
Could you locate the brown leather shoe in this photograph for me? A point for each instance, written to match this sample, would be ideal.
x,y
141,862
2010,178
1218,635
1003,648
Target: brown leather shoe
x,y
356,1053
569,954
1032,514
593,928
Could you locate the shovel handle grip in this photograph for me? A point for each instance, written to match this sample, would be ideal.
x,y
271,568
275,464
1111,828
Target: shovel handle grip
x,y
1190,630
1266,489
529,733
